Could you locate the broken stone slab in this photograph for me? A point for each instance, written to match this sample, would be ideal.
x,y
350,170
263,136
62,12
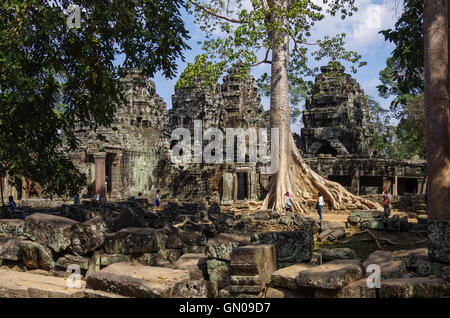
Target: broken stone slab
x,y
177,238
286,277
195,289
277,292
324,235
135,241
357,216
424,267
15,284
372,224
10,248
254,260
262,215
77,213
108,259
328,225
221,246
136,280
195,264
286,220
291,246
52,231
329,254
219,272
244,289
337,235
69,260
13,227
445,273
88,236
90,293
417,287
34,255
159,258
332,275
357,289
389,267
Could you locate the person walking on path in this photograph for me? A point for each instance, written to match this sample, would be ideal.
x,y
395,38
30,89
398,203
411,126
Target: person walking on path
x,y
387,203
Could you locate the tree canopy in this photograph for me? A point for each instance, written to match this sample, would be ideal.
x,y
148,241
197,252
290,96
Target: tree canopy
x,y
54,78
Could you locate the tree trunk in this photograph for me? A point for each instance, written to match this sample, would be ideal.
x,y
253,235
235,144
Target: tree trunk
x,y
294,175
437,127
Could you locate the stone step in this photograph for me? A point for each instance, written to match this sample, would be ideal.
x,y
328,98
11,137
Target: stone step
x,y
136,280
14,284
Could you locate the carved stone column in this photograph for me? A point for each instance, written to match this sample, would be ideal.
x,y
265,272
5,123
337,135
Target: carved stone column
x,y
100,171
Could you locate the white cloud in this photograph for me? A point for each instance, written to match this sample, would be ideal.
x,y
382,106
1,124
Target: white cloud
x,y
362,28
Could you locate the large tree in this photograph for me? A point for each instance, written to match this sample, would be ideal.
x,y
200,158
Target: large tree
x,y
437,111
54,77
281,30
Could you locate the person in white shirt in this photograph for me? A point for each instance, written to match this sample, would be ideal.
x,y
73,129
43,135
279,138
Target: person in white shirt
x,y
320,204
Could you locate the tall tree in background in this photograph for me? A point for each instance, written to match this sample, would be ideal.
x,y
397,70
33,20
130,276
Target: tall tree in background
x,y
403,79
437,116
238,33
53,78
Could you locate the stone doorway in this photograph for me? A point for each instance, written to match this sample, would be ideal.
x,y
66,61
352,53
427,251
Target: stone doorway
x,y
407,185
242,185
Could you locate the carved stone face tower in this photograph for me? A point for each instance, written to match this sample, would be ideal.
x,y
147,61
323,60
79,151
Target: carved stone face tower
x,y
336,117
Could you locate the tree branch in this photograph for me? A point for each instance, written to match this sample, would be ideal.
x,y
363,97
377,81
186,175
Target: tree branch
x,y
265,59
209,11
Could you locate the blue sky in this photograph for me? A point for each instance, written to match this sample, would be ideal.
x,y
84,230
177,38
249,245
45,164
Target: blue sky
x,y
362,36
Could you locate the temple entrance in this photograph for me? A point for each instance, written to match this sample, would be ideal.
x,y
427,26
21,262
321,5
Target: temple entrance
x,y
242,188
407,185
370,185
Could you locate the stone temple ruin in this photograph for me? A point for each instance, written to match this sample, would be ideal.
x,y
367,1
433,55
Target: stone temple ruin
x,y
337,140
202,242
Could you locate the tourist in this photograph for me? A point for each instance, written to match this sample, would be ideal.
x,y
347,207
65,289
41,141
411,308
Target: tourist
x,y
320,204
12,204
139,196
157,200
76,199
287,200
387,198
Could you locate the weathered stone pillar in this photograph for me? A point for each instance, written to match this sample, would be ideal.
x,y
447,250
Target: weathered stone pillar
x,y
100,171
252,186
395,186
227,186
354,187
116,176
235,188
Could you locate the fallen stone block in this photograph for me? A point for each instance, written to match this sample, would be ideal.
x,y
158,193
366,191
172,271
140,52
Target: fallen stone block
x,y
254,280
108,259
219,272
253,260
372,224
389,267
316,259
357,289
10,248
277,292
336,235
262,215
136,280
69,260
418,287
88,236
135,241
34,255
445,273
195,289
15,284
193,249
90,293
52,231
324,235
286,277
327,225
159,258
329,254
221,246
357,216
195,264
291,246
331,275
12,227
